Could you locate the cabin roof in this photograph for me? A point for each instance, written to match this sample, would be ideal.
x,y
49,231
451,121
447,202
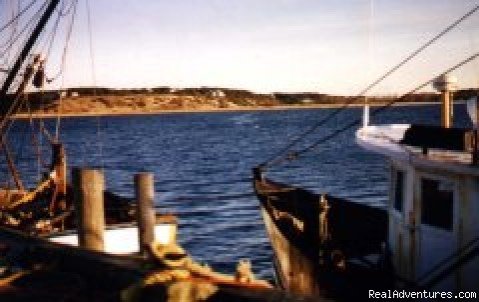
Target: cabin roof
x,y
394,142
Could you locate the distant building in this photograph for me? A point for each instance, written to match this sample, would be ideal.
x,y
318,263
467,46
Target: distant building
x,y
218,93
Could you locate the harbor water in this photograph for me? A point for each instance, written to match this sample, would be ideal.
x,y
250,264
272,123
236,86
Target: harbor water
x,y
202,164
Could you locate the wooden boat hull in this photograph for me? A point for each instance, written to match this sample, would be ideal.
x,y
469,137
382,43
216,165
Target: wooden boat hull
x,y
294,271
311,246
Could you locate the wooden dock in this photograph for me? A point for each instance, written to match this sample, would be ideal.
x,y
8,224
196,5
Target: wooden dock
x,y
41,270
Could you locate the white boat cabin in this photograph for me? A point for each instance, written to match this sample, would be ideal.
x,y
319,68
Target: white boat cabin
x,y
433,208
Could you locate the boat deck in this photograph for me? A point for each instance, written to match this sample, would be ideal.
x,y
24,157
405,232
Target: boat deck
x,y
450,152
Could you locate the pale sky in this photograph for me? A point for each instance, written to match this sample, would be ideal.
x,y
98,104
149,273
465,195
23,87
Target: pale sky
x,y
326,46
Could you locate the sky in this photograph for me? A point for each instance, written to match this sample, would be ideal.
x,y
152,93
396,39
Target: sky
x,y
325,46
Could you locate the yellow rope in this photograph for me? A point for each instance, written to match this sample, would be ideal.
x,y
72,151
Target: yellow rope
x,y
187,280
8,280
31,195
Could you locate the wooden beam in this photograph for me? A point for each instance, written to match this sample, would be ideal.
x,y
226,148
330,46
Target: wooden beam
x,y
59,167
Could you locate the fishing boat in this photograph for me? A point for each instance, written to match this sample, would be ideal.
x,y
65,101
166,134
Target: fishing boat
x,y
41,228
426,237
48,209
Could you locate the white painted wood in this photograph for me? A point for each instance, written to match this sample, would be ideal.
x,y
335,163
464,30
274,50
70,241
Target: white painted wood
x,y
417,247
385,140
123,239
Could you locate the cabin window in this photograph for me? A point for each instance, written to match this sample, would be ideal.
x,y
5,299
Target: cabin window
x,y
437,199
399,191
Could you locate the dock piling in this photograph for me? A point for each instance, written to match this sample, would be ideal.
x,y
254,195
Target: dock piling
x,y
88,186
144,194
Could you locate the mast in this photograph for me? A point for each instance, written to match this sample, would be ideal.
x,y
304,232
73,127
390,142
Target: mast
x,y
5,107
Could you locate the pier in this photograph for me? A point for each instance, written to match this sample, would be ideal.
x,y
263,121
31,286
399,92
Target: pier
x,y
37,269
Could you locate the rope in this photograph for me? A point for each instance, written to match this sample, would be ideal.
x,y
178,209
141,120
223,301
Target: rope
x,y
6,25
67,42
29,24
63,66
66,10
93,75
51,38
14,29
441,267
282,155
354,123
35,141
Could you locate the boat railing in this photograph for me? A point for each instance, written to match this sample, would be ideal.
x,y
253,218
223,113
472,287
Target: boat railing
x,y
309,218
436,137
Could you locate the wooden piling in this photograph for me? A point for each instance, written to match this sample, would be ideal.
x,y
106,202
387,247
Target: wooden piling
x,y
446,109
144,194
59,166
88,186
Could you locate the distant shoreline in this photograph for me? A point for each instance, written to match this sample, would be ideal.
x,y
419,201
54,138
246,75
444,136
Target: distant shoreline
x,y
212,110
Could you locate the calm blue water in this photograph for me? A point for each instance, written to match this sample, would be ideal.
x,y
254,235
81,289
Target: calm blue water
x,y
202,166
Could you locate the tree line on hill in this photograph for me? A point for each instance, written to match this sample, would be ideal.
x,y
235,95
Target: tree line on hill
x,y
237,96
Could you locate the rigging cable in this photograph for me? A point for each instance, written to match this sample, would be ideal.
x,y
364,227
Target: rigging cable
x,y
8,44
376,111
283,152
27,26
6,121
93,75
64,11
37,145
13,31
42,131
50,40
62,68
67,42
6,25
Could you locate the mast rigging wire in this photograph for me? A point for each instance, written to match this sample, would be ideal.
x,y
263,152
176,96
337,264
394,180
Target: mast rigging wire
x,y
14,28
93,75
6,25
356,122
283,152
67,43
36,16
63,64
